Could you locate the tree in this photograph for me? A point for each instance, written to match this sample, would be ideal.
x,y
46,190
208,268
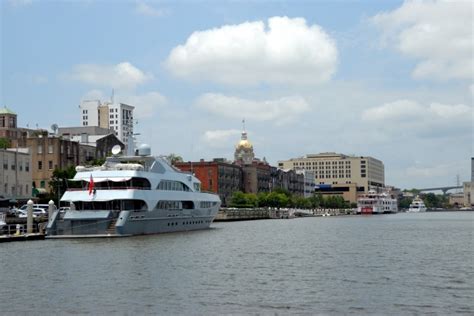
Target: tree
x,y
97,162
277,200
58,184
173,158
404,202
4,143
240,199
316,200
262,199
251,200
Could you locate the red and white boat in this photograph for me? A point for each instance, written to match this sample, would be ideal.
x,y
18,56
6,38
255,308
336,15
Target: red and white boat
x,y
376,203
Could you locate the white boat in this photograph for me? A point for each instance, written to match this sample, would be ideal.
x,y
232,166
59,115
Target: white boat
x,y
376,203
133,195
417,205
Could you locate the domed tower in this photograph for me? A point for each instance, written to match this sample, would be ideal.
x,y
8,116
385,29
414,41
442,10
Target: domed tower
x,y
244,149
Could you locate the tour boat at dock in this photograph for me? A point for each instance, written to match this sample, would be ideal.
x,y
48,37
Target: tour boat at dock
x,y
133,195
376,203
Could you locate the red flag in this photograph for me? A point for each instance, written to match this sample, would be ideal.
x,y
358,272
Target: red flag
x,y
91,185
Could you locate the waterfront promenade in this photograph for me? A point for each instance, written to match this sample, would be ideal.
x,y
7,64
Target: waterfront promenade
x,y
239,214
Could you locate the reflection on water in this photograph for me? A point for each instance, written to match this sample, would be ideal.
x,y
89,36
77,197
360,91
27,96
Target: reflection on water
x,y
387,264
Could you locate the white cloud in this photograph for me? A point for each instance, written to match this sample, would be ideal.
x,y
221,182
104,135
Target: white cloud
x,y
145,9
280,111
95,95
407,109
410,117
398,110
437,33
121,76
220,138
146,104
284,51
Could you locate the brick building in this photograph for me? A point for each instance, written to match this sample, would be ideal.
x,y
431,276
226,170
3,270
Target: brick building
x,y
218,176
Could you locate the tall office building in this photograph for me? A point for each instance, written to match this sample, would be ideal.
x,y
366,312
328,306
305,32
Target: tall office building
x,y
116,116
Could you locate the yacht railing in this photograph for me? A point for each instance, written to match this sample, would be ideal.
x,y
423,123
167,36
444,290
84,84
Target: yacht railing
x,y
109,188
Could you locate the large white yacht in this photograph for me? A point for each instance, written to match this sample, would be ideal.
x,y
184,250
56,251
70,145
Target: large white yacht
x,y
417,205
376,203
133,195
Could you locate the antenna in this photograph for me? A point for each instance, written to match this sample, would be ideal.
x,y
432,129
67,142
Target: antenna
x,y
112,97
243,124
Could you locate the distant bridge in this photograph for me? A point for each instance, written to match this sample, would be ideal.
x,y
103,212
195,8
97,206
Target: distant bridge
x,y
444,189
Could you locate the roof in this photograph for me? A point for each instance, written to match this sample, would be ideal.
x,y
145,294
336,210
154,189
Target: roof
x,y
6,110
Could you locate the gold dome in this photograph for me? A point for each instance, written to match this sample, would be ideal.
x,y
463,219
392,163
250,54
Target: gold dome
x,y
244,144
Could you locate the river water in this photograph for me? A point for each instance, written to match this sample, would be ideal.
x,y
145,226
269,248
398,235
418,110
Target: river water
x,y
387,264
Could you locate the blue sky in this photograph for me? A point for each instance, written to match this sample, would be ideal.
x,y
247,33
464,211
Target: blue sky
x,y
388,79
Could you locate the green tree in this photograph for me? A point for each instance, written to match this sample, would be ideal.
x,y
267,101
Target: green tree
x,y
251,199
97,162
431,200
174,158
404,202
4,143
262,199
58,183
302,203
316,200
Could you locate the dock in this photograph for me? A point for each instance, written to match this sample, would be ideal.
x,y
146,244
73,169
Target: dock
x,y
22,237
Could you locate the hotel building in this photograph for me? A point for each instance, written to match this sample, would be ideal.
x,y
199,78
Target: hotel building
x,y
340,174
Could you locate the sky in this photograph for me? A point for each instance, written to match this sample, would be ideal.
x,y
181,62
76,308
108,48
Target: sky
x,y
387,79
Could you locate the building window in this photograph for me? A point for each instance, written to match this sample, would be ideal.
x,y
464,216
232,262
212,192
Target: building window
x,y
50,164
42,184
27,167
40,165
40,149
50,149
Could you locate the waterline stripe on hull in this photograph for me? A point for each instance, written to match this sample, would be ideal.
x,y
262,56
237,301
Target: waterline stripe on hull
x,y
87,236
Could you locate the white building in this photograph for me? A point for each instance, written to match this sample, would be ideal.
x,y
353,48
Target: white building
x,y
115,116
16,174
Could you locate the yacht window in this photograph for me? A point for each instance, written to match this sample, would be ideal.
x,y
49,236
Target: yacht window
x,y
168,205
172,186
112,205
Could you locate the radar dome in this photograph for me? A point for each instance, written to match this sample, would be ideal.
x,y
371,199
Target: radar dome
x,y
144,150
